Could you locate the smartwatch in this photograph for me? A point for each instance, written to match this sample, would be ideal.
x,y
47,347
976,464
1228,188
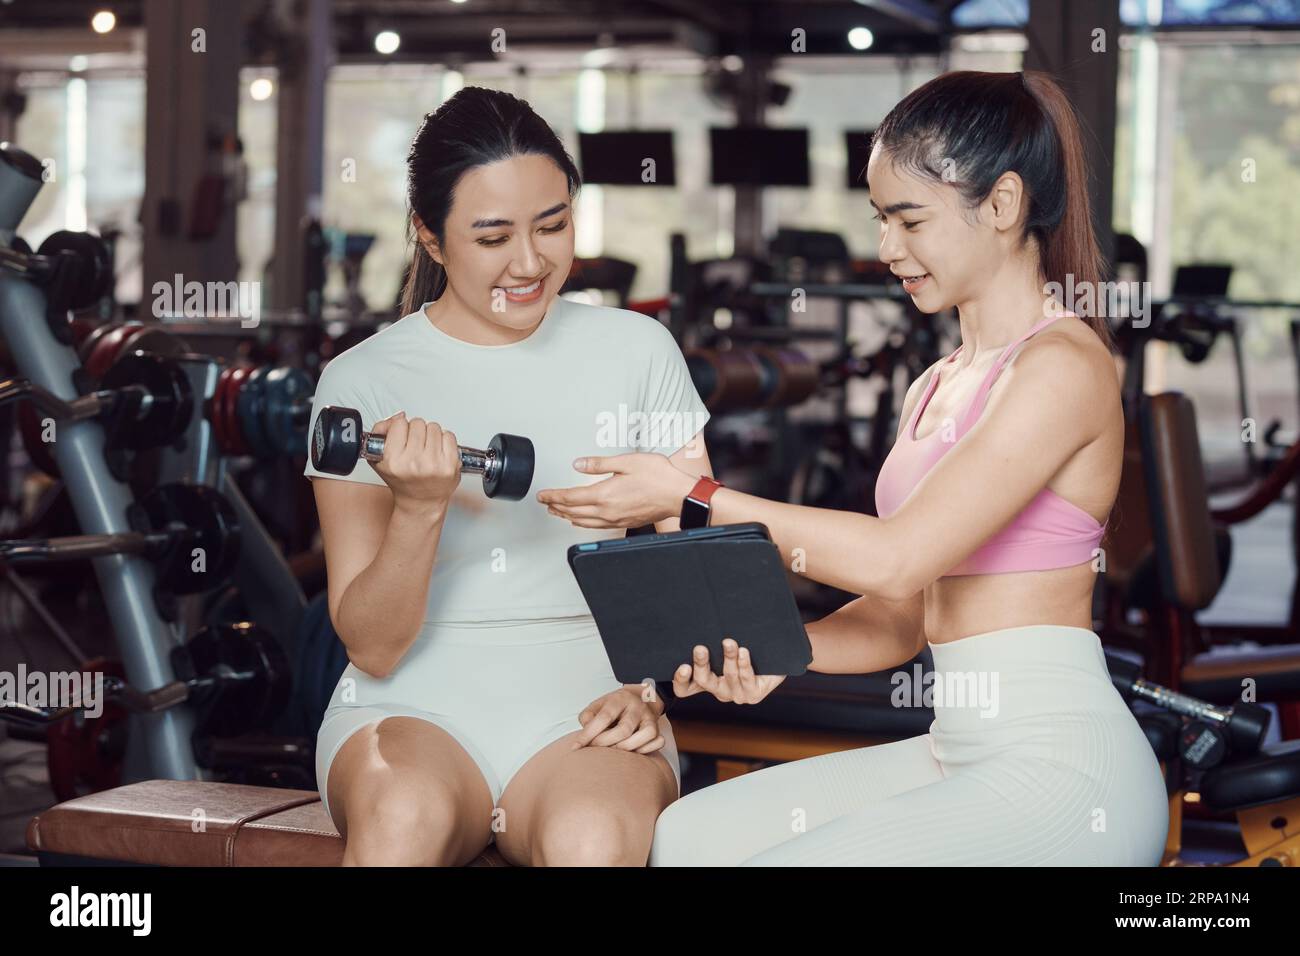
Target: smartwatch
x,y
695,506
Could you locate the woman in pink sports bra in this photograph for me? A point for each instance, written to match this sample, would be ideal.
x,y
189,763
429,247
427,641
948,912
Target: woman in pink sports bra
x,y
992,505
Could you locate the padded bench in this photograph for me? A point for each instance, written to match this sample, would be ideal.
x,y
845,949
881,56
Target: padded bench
x,y
154,822
805,716
855,704
194,823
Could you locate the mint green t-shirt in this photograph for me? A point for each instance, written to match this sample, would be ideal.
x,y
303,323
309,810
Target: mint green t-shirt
x,y
590,380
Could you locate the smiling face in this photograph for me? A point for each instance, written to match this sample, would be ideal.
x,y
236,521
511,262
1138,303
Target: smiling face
x,y
945,252
507,243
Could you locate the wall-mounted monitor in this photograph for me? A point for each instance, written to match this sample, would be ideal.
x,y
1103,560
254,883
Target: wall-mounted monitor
x,y
619,158
758,156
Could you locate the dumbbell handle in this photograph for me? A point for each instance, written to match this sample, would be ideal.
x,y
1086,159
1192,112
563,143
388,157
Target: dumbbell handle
x,y
91,405
1245,724
77,547
1180,703
118,691
1126,676
473,461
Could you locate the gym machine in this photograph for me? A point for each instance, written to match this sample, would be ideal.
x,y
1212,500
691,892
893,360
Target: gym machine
x,y
1215,760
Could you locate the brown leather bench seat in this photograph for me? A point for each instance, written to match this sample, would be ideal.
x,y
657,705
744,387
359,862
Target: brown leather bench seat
x,y
202,823
193,823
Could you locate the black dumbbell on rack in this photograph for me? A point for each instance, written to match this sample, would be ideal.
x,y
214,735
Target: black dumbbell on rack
x,y
168,525
238,661
145,402
337,442
1211,733
235,676
75,269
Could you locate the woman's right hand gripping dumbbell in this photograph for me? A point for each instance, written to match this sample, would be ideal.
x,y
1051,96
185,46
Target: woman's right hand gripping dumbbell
x,y
421,463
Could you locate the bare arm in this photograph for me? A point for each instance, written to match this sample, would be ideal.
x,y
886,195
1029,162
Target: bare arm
x,y
867,635
381,541
1045,412
379,560
871,634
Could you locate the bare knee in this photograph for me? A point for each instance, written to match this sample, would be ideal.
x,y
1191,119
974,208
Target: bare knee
x,y
591,834
408,795
394,823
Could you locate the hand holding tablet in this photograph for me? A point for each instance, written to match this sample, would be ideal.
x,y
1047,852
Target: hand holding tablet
x,y
657,597
738,683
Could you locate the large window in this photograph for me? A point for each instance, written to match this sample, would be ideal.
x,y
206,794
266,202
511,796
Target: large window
x,y
1208,171
373,114
88,132
1137,13
114,172
255,217
42,130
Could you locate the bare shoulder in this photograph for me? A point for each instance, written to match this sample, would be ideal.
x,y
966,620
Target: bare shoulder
x,y
1068,347
1068,364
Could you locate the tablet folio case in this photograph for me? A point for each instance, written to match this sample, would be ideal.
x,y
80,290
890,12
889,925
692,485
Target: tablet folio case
x,y
653,604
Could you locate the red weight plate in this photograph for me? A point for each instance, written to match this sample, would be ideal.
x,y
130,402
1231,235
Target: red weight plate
x,y
210,411
107,348
81,329
230,410
151,338
85,755
220,420
87,345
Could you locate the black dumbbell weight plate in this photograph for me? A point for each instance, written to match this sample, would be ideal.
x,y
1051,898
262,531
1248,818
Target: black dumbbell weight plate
x,y
168,415
93,274
515,475
212,526
236,706
336,440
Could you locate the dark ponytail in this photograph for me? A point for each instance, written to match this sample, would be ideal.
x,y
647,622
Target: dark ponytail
x,y
475,127
968,128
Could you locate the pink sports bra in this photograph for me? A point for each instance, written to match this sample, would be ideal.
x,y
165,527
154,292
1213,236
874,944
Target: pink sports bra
x,y
1049,533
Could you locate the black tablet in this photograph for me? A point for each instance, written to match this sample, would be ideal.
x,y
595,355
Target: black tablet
x,y
656,596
